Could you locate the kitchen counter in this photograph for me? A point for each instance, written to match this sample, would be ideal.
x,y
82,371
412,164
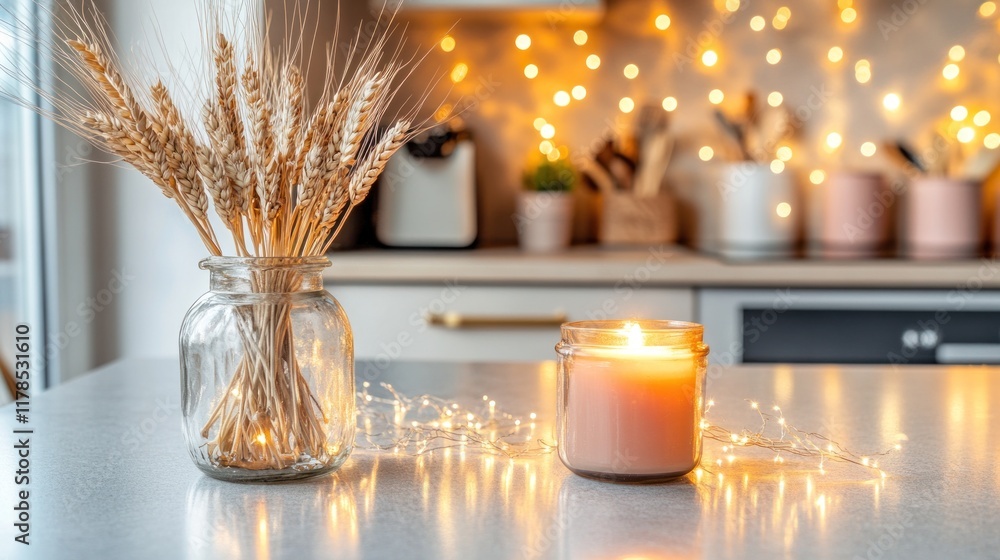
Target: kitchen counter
x,y
666,265
111,478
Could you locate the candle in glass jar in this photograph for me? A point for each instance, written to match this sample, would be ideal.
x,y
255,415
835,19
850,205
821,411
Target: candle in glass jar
x,y
631,399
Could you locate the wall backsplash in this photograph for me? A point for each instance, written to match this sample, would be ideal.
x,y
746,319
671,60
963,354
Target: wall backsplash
x,y
906,43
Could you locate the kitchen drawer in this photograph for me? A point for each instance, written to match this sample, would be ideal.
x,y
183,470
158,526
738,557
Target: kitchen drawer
x,y
390,321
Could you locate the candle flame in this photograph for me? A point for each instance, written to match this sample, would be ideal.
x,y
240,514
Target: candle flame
x,y
634,334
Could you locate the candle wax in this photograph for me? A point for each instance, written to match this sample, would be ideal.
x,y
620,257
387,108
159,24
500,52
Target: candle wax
x,y
632,411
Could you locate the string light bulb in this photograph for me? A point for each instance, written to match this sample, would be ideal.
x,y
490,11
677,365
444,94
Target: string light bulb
x,y
834,140
773,56
868,149
992,141
863,71
987,9
777,166
522,42
783,153
956,53
716,96
669,103
817,176
580,37
781,18
982,118
593,62
732,5
848,15
959,113
757,23
950,71
531,71
631,71
447,43
709,58
459,72
539,123
626,105
662,22
966,134
547,131
578,92
835,54
891,102
774,99
561,98
706,153
783,210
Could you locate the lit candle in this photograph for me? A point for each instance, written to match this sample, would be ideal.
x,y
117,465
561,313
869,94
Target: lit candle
x,y
630,398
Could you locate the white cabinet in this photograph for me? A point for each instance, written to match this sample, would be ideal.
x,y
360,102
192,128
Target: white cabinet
x,y
508,323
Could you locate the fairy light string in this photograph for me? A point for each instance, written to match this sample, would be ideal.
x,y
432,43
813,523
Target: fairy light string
x,y
778,435
418,425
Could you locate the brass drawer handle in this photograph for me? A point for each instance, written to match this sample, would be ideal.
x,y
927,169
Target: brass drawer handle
x,y
454,320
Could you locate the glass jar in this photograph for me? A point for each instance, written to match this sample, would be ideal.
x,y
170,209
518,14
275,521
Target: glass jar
x,y
267,372
631,398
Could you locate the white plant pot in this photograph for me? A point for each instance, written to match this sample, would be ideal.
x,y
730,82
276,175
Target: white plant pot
x,y
544,221
750,212
943,219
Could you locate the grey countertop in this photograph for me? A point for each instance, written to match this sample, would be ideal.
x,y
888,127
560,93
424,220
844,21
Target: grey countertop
x,y
111,478
666,265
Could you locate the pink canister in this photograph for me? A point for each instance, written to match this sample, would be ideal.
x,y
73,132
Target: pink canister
x,y
856,210
943,218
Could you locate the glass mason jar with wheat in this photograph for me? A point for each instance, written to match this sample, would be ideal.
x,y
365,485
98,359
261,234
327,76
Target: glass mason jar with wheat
x,y
267,355
267,372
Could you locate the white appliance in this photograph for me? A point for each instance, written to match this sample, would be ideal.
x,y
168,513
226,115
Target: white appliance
x,y
429,200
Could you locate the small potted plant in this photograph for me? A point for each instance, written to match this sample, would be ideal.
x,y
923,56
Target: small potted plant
x,y
544,217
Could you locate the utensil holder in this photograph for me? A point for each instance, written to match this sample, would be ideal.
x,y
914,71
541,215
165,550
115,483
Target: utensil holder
x,y
626,219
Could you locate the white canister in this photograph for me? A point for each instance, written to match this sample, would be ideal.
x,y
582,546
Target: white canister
x,y
544,221
856,212
943,219
757,212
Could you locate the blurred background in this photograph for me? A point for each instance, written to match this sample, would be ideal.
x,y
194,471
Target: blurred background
x,y
813,181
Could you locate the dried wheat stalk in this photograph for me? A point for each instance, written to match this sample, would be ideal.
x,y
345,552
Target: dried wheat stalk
x,y
280,173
